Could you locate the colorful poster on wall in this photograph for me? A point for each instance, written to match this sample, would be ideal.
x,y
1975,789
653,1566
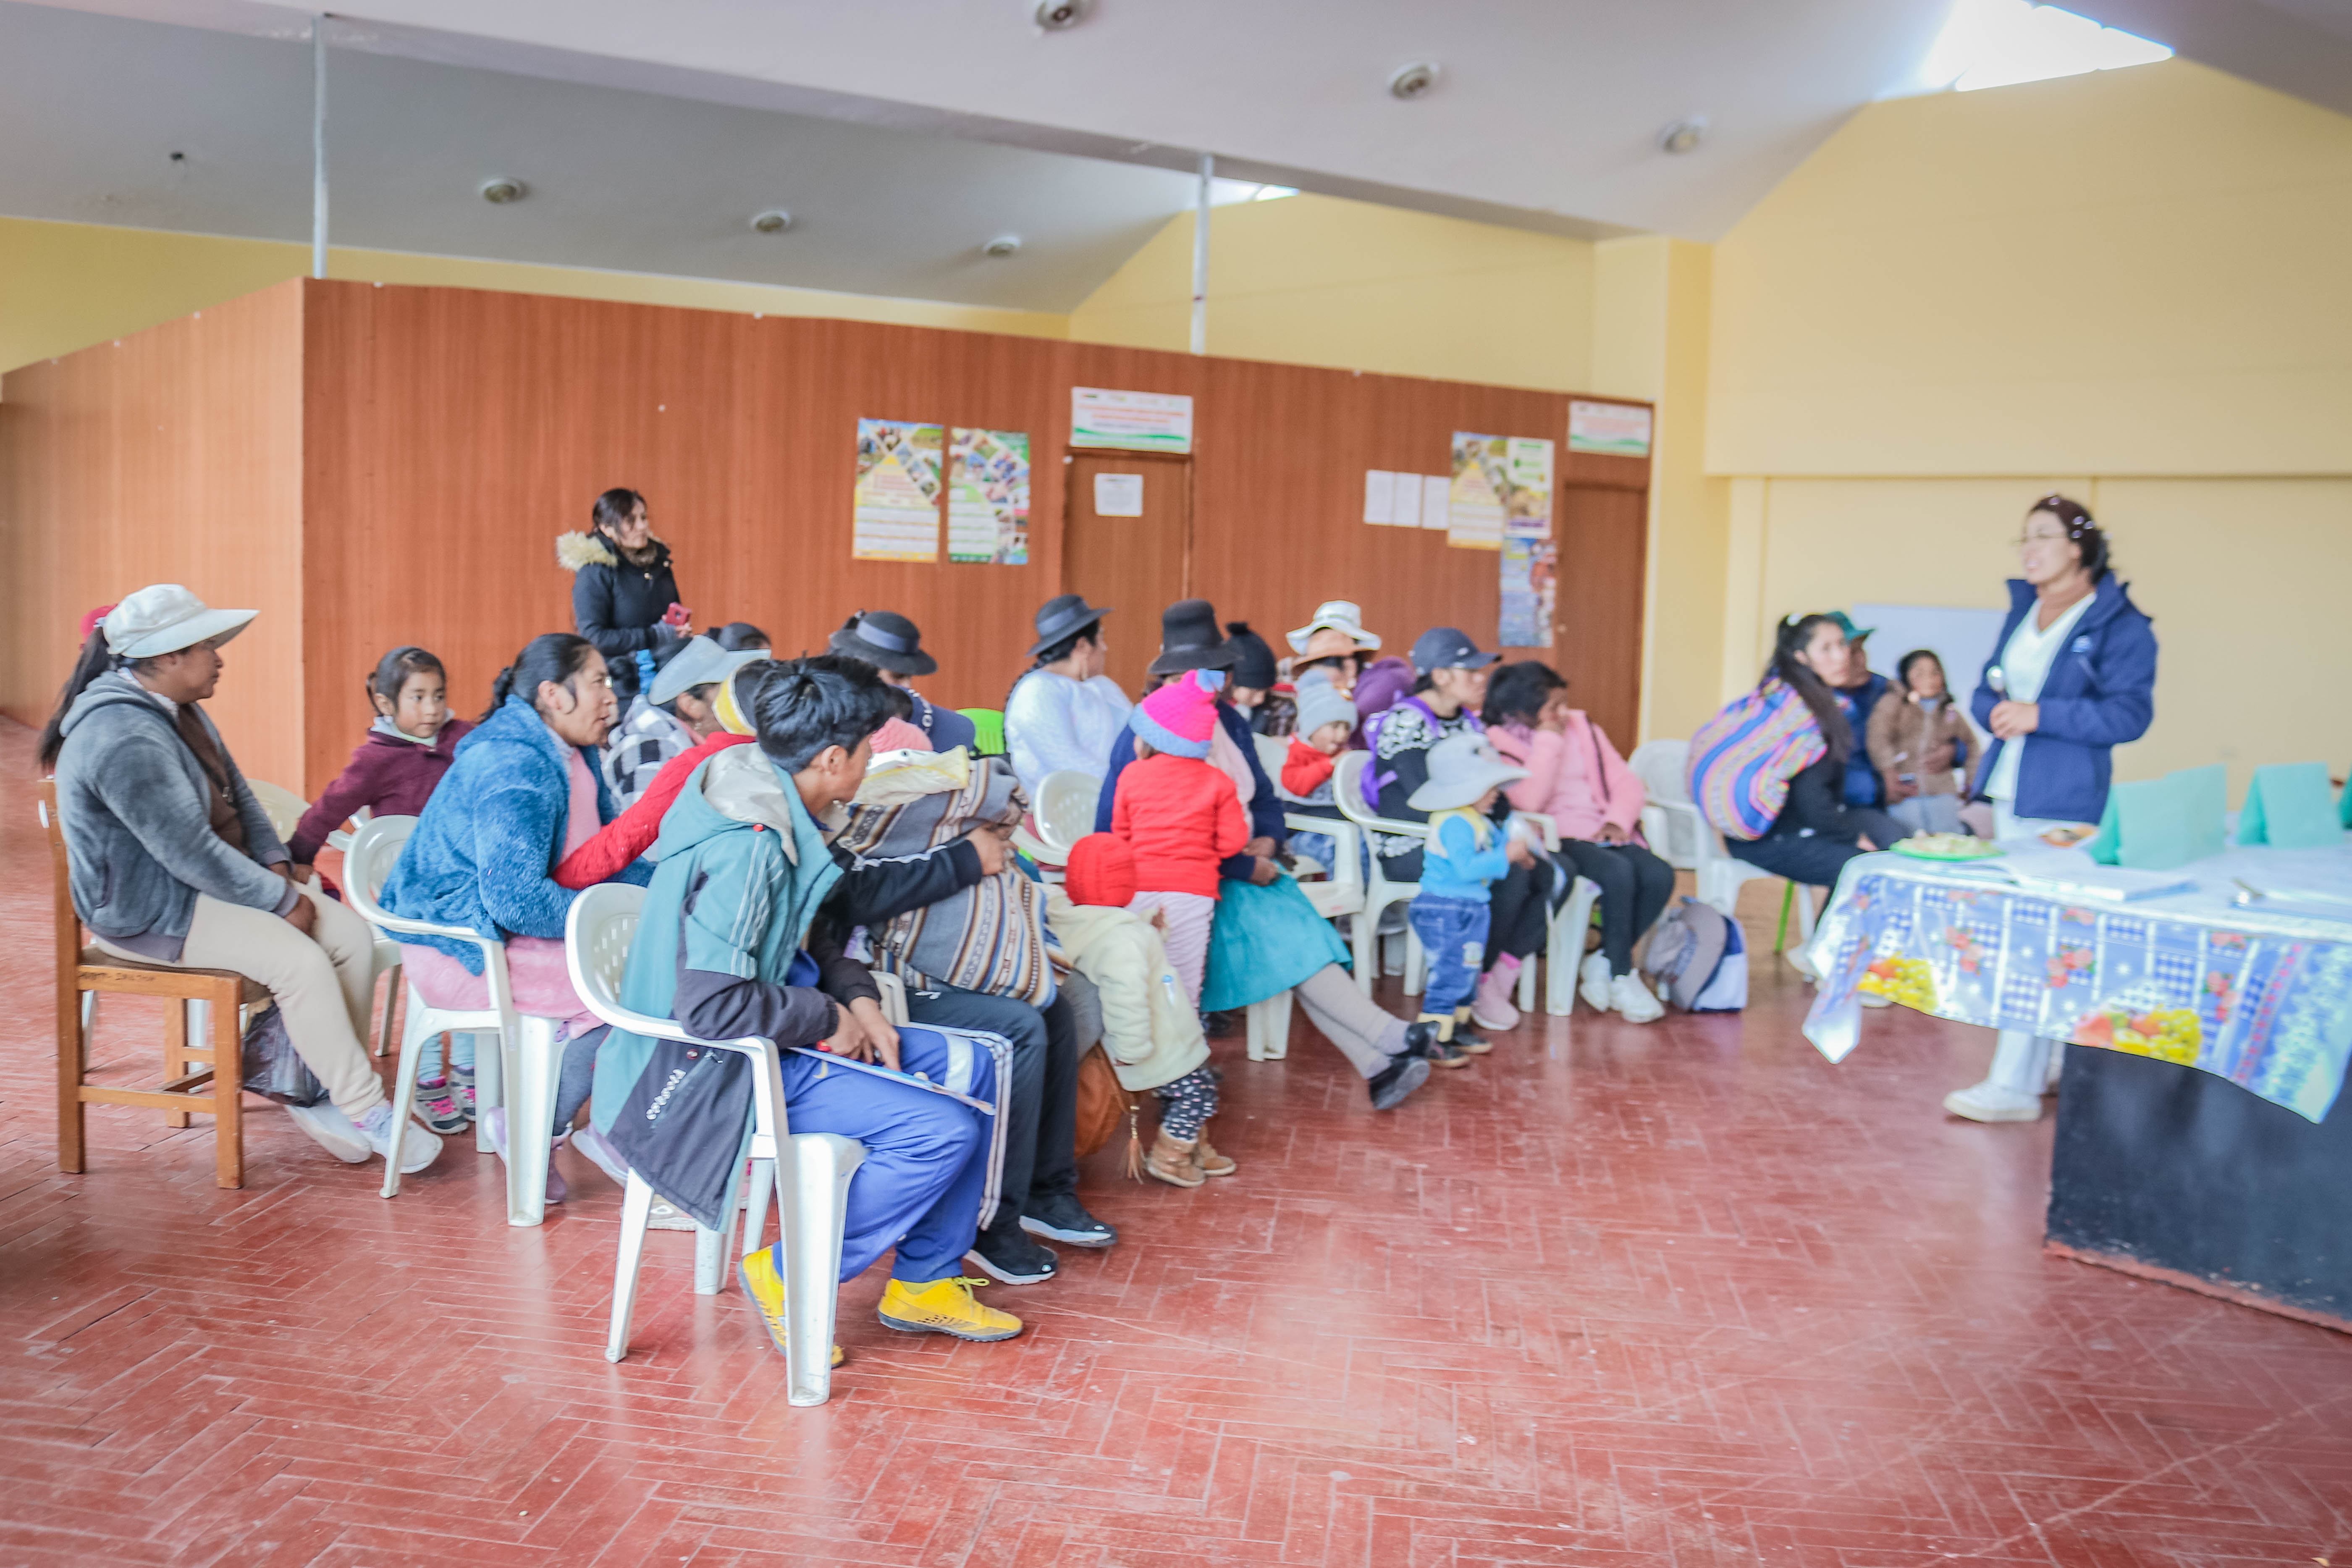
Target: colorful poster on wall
x,y
1527,502
988,496
1529,593
1622,429
894,509
1474,505
1131,421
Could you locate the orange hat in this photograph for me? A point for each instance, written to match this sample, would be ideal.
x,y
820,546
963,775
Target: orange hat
x,y
1101,871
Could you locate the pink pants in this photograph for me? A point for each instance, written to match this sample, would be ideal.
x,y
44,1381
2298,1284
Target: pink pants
x,y
1190,916
535,967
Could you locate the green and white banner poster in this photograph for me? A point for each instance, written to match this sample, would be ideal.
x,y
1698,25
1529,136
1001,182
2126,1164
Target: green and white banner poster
x,y
1622,429
1131,421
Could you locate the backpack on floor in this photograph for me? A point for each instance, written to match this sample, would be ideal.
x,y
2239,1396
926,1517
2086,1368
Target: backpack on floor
x,y
1698,960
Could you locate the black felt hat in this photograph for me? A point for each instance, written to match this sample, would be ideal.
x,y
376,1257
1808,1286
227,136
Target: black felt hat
x,y
1064,615
1189,640
885,640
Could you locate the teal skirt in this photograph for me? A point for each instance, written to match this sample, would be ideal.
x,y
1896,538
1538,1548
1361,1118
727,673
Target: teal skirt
x,y
1266,940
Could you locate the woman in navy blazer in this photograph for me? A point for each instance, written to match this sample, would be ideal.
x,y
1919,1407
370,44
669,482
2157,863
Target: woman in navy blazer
x,y
2073,677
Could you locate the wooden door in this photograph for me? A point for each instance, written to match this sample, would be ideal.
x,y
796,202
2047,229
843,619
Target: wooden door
x,y
1597,639
1137,565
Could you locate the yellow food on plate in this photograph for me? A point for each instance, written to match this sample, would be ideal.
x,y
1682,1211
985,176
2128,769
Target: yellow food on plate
x,y
1944,846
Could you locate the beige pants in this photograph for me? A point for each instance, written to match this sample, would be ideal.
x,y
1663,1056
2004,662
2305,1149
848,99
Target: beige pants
x,y
324,984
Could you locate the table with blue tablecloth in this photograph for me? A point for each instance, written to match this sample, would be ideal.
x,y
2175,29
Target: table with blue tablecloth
x,y
2242,1186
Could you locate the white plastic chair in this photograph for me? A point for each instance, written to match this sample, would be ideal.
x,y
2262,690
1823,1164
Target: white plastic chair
x,y
1687,841
1062,812
285,808
1563,933
1340,894
812,1182
521,1074
1380,893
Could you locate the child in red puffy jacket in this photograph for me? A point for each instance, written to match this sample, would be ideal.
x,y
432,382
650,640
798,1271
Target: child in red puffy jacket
x,y
1180,815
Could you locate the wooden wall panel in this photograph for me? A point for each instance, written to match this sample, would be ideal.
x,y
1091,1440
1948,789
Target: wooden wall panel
x,y
172,455
374,466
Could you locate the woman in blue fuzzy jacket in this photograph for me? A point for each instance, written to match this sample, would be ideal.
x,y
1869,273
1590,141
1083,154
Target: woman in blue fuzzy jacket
x,y
522,795
2073,677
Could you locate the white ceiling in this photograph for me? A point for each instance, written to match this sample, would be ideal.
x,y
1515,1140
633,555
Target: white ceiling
x,y
904,136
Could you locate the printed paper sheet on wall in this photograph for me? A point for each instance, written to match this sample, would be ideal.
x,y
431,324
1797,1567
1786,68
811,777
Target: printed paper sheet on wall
x,y
1529,596
895,506
1502,485
988,496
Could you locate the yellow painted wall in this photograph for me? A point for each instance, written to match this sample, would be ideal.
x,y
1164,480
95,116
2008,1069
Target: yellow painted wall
x,y
1650,304
66,286
2136,271
1318,281
2135,287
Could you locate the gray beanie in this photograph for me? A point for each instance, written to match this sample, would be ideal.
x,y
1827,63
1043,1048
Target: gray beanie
x,y
1319,703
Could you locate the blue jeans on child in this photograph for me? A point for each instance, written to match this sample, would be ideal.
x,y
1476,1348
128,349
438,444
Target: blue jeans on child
x,y
1454,933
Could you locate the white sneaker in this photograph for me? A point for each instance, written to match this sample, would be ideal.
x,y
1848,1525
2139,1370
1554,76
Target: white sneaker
x,y
332,1130
1592,982
419,1147
1987,1101
1632,1000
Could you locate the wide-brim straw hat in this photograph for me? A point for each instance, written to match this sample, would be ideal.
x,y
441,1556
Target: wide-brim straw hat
x,y
1341,615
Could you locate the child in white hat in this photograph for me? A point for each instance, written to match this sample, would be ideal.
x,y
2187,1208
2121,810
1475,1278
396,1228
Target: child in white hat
x,y
1467,851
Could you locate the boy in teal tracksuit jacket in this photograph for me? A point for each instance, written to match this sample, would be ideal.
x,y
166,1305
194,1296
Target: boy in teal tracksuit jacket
x,y
742,866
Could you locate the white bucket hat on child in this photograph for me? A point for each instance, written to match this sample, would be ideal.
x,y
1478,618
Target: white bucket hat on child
x,y
164,617
1461,768
1335,615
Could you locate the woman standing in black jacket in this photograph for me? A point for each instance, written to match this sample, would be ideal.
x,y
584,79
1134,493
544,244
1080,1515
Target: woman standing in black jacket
x,y
623,590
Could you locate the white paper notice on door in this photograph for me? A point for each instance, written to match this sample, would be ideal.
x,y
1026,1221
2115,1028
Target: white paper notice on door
x,y
1118,495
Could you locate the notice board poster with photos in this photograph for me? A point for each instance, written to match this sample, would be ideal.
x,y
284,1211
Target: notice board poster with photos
x,y
894,509
988,497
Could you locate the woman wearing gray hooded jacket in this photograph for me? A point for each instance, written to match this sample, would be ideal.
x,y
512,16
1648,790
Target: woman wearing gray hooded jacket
x,y
174,863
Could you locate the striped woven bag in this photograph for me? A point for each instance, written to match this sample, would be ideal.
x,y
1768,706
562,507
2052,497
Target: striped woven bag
x,y
1742,759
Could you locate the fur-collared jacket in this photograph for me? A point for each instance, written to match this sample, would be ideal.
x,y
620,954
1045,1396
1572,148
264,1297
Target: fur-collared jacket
x,y
617,605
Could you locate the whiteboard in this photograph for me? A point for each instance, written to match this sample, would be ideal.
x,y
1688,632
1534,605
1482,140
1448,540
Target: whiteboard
x,y
1963,639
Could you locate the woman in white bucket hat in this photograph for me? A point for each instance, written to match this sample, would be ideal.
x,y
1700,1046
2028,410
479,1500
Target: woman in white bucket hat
x,y
174,862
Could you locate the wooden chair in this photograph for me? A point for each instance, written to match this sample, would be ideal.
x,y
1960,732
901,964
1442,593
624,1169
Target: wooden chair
x,y
205,1027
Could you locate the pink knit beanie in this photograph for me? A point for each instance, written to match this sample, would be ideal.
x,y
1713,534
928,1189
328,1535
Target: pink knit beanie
x,y
897,735
1181,716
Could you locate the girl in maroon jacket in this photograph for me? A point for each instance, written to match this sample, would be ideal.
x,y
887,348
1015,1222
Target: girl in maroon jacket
x,y
408,748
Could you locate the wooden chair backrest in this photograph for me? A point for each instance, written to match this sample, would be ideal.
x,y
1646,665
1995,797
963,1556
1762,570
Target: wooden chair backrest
x,y
68,923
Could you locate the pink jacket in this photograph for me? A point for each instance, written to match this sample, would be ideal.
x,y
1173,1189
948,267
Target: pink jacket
x,y
1561,781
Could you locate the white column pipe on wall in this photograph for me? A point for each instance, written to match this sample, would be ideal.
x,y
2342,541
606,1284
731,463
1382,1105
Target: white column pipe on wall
x,y
1200,259
318,146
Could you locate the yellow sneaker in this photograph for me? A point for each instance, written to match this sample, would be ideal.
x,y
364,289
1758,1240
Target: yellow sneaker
x,y
766,1289
944,1307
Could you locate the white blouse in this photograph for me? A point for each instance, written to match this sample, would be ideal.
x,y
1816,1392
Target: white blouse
x,y
1051,724
2026,660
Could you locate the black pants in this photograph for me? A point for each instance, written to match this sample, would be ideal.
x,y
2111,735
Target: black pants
x,y
1635,886
1041,1117
1814,859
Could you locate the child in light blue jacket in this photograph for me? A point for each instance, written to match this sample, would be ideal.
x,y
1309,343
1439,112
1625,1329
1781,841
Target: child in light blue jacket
x,y
1467,851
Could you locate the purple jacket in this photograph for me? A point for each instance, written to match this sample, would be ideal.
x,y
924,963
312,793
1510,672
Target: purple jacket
x,y
388,775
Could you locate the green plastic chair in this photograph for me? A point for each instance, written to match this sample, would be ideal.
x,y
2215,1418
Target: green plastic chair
x,y
989,724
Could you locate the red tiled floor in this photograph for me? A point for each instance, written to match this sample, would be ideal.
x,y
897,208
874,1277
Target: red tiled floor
x,y
1680,1294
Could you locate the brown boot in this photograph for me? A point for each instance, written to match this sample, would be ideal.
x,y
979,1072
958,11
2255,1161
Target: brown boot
x,y
1171,1160
1207,1160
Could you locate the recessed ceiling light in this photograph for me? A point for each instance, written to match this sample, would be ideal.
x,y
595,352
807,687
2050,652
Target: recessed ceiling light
x,y
501,191
1054,15
775,220
1002,245
1413,81
1683,135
